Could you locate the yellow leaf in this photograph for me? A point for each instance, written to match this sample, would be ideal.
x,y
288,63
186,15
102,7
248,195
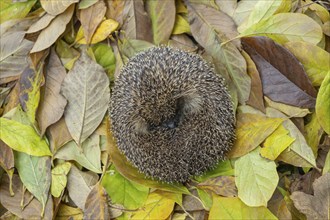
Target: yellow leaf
x,y
314,59
234,208
289,110
156,207
181,25
251,130
322,106
59,178
102,32
68,212
313,133
22,138
277,142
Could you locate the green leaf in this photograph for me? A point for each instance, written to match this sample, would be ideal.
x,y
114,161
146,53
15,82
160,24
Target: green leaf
x,y
314,59
234,208
255,176
131,195
59,178
277,142
35,174
13,10
22,138
224,168
88,155
286,27
262,10
105,57
252,129
322,106
313,133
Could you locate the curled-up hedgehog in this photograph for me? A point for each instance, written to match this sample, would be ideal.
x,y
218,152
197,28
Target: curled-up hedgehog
x,y
171,114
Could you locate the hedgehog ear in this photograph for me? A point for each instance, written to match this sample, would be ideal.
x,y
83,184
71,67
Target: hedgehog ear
x,y
190,103
140,126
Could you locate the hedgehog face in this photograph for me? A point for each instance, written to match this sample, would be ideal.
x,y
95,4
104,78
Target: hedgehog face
x,y
171,114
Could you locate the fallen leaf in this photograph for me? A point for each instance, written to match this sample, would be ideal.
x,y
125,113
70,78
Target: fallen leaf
x,y
83,4
90,18
162,15
51,107
315,206
105,56
256,94
181,25
102,32
261,11
289,110
15,10
276,143
183,42
115,10
223,168
22,138
255,176
156,207
6,156
284,27
131,195
58,134
86,87
67,54
251,131
96,206
279,72
13,51
234,208
56,7
322,107
32,207
315,60
59,178
136,22
130,47
35,175
65,212
222,185
80,185
313,133
42,23
30,82
299,153
88,155
51,33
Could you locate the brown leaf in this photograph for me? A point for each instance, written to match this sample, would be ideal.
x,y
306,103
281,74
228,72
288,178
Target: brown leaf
x,y
315,206
96,206
6,156
256,96
32,207
137,23
222,185
283,77
58,134
52,103
50,34
183,42
91,17
162,14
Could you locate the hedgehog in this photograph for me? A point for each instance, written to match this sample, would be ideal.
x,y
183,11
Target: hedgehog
x,y
171,114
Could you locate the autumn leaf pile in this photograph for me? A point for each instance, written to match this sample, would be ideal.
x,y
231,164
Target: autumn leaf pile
x,y
59,60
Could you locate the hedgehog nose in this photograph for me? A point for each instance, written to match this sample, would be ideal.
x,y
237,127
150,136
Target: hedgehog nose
x,y
170,124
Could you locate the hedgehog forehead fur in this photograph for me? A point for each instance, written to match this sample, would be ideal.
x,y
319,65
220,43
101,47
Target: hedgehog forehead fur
x,y
171,114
